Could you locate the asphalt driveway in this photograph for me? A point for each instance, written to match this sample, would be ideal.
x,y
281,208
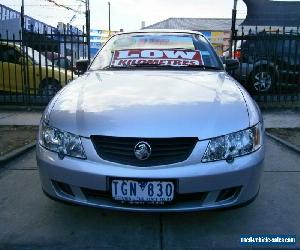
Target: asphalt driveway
x,y
29,219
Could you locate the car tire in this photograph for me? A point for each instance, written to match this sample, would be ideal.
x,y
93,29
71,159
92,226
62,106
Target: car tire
x,y
262,79
49,87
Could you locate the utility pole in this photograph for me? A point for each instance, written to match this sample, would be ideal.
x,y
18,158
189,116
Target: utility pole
x,y
88,27
233,21
109,30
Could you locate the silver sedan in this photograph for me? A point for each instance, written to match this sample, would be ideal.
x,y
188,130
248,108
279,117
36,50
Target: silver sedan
x,y
154,124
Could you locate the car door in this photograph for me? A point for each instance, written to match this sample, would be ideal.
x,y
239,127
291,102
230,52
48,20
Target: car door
x,y
34,69
10,69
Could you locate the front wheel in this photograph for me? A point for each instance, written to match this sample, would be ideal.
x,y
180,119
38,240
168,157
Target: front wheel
x,y
262,80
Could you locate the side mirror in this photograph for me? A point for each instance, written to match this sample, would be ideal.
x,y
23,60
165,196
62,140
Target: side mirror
x,y
231,64
82,66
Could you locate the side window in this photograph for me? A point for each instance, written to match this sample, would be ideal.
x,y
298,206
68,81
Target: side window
x,y
279,46
298,47
286,50
292,47
10,55
289,46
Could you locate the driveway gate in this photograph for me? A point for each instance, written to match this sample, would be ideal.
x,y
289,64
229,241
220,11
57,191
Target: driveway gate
x,y
34,66
269,63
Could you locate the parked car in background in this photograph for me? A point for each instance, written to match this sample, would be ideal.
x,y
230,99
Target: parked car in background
x,y
155,124
39,76
236,51
267,61
64,63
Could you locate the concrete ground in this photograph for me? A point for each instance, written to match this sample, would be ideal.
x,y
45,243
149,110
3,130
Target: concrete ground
x,y
20,117
281,118
273,118
29,219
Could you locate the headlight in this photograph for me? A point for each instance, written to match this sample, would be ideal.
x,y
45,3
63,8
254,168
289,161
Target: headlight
x,y
63,143
234,144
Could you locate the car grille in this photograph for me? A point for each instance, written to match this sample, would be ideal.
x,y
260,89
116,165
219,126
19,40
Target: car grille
x,y
163,150
92,195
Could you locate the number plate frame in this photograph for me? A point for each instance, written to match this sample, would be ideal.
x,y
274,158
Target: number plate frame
x,y
175,185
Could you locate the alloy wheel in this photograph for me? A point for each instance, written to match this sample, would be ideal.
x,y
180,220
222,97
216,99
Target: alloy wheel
x,y
262,81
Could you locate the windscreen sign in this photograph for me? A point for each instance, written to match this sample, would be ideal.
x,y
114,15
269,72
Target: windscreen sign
x,y
171,57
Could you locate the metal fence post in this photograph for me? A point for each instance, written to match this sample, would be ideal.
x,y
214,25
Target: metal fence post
x,y
88,29
233,21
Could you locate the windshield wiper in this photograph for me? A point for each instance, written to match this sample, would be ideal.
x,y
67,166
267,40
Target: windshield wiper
x,y
132,66
203,67
175,67
160,66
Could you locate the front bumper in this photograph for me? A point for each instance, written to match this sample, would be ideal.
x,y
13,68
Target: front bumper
x,y
199,186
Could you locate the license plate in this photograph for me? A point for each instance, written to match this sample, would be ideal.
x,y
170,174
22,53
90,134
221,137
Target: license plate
x,y
156,192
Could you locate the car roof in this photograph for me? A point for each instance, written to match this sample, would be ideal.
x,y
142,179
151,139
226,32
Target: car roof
x,y
160,31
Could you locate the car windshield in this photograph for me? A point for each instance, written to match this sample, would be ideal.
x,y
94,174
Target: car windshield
x,y
158,51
